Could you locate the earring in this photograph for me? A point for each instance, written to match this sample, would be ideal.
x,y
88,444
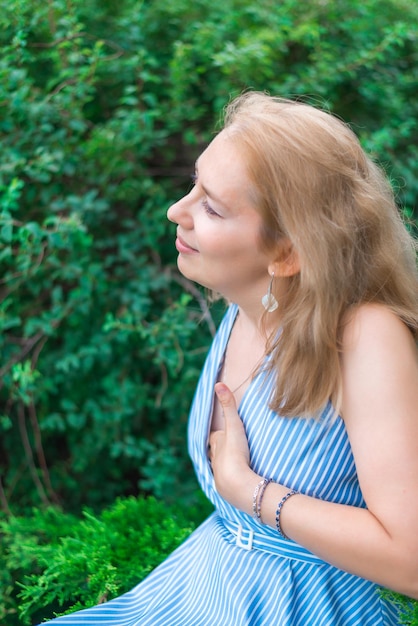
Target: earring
x,y
268,301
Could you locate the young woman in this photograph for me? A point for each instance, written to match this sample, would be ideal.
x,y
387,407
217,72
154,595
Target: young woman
x,y
304,426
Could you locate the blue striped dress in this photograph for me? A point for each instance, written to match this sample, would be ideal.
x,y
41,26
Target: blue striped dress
x,y
233,571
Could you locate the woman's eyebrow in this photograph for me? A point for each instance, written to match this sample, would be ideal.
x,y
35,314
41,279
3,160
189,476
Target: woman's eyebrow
x,y
205,189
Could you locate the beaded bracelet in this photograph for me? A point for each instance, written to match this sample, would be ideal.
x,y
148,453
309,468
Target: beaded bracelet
x,y
262,484
279,510
260,498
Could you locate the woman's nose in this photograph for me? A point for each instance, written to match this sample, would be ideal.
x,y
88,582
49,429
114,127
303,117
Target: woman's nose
x,y
180,212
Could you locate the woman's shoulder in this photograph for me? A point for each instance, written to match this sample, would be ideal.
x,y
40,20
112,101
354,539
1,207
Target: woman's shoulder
x,y
371,324
379,362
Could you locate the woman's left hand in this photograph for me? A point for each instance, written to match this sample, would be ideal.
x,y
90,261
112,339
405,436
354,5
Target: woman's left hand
x,y
228,450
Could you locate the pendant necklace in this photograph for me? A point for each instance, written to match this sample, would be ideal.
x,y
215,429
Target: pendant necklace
x,y
251,375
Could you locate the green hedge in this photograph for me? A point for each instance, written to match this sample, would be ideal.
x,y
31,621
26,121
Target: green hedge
x,y
55,563
103,107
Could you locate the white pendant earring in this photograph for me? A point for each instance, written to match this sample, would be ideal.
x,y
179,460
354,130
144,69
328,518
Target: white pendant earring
x,y
268,301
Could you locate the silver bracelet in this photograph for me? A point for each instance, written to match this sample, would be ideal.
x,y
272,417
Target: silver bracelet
x,y
260,498
256,504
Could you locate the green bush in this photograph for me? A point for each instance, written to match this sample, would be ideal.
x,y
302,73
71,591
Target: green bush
x,y
408,608
63,563
98,360
104,106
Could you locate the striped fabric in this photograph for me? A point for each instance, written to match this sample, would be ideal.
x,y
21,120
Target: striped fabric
x,y
234,572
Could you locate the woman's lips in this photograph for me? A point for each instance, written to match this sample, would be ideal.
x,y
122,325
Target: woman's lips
x,y
183,247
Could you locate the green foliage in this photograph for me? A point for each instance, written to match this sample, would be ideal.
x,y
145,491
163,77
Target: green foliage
x,y
103,108
63,563
99,351
408,608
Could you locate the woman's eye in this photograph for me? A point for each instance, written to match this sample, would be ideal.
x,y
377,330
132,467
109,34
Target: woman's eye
x,y
205,203
208,208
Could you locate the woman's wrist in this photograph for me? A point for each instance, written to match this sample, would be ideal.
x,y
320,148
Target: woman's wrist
x,y
268,510
259,497
241,490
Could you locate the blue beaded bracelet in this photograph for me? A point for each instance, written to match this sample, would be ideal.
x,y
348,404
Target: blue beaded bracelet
x,y
279,510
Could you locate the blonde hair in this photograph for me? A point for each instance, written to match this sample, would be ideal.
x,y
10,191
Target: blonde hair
x,y
313,183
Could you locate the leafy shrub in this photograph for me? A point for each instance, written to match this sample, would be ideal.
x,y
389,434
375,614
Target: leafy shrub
x,y
408,608
64,563
95,331
104,107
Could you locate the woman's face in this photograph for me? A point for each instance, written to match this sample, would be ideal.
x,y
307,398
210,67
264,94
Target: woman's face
x,y
218,228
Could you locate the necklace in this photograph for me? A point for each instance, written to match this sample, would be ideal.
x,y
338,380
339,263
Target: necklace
x,y
224,375
223,372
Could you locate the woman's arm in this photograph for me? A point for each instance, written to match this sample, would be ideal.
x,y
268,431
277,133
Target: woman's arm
x,y
380,410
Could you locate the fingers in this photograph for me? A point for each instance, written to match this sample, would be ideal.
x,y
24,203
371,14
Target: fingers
x,y
225,396
212,444
229,406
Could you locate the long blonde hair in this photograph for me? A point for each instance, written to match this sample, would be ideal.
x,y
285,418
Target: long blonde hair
x,y
313,183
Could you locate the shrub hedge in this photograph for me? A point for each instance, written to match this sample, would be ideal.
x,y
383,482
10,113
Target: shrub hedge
x,y
103,108
56,563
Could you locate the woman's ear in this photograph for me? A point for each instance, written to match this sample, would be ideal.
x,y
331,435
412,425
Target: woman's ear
x,y
286,260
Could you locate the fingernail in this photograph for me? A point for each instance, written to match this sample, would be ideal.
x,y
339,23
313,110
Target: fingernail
x,y
221,389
